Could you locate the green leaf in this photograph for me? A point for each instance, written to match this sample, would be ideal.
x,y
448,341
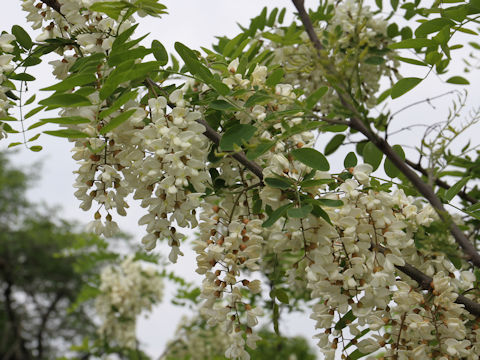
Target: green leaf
x,y
372,155
330,202
71,82
390,169
118,57
117,121
22,37
374,60
350,160
312,158
345,320
300,213
237,135
30,100
260,149
198,69
318,211
412,44
65,100
458,80
275,77
281,295
411,61
355,355
87,62
313,98
455,189
111,8
432,26
34,111
67,133
257,98
334,144
278,183
67,120
315,182
277,214
14,144
221,105
159,52
403,86
122,100
35,148
22,77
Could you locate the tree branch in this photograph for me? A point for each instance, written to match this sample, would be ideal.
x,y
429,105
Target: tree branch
x,y
43,323
356,123
425,281
54,4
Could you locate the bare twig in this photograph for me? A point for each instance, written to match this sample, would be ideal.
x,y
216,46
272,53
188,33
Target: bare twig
x,y
54,4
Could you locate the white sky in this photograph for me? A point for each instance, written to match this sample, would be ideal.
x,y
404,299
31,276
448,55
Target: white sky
x,y
194,23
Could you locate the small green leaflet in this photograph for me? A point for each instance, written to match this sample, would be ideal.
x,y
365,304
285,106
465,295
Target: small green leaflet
x,y
159,52
197,68
117,121
67,133
372,155
221,105
334,144
65,100
432,26
455,189
275,77
123,99
350,160
390,169
71,82
313,98
300,212
35,148
330,202
413,43
22,37
260,149
345,320
257,98
67,120
237,135
315,182
281,295
312,158
277,214
278,183
458,80
403,86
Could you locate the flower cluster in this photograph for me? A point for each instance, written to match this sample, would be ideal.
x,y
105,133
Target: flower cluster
x,y
126,291
6,67
355,41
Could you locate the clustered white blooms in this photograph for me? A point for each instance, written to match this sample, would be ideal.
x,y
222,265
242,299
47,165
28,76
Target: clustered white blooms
x,y
355,41
126,290
348,266
196,341
6,66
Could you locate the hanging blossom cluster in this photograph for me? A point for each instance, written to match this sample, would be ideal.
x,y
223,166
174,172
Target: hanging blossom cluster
x,y
126,291
6,67
195,340
355,42
159,154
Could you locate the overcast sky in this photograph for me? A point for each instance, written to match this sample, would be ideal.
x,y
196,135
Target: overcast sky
x,y
195,23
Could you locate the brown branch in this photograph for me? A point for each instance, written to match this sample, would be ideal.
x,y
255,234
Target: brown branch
x,y
463,195
239,156
425,282
356,123
54,4
43,323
